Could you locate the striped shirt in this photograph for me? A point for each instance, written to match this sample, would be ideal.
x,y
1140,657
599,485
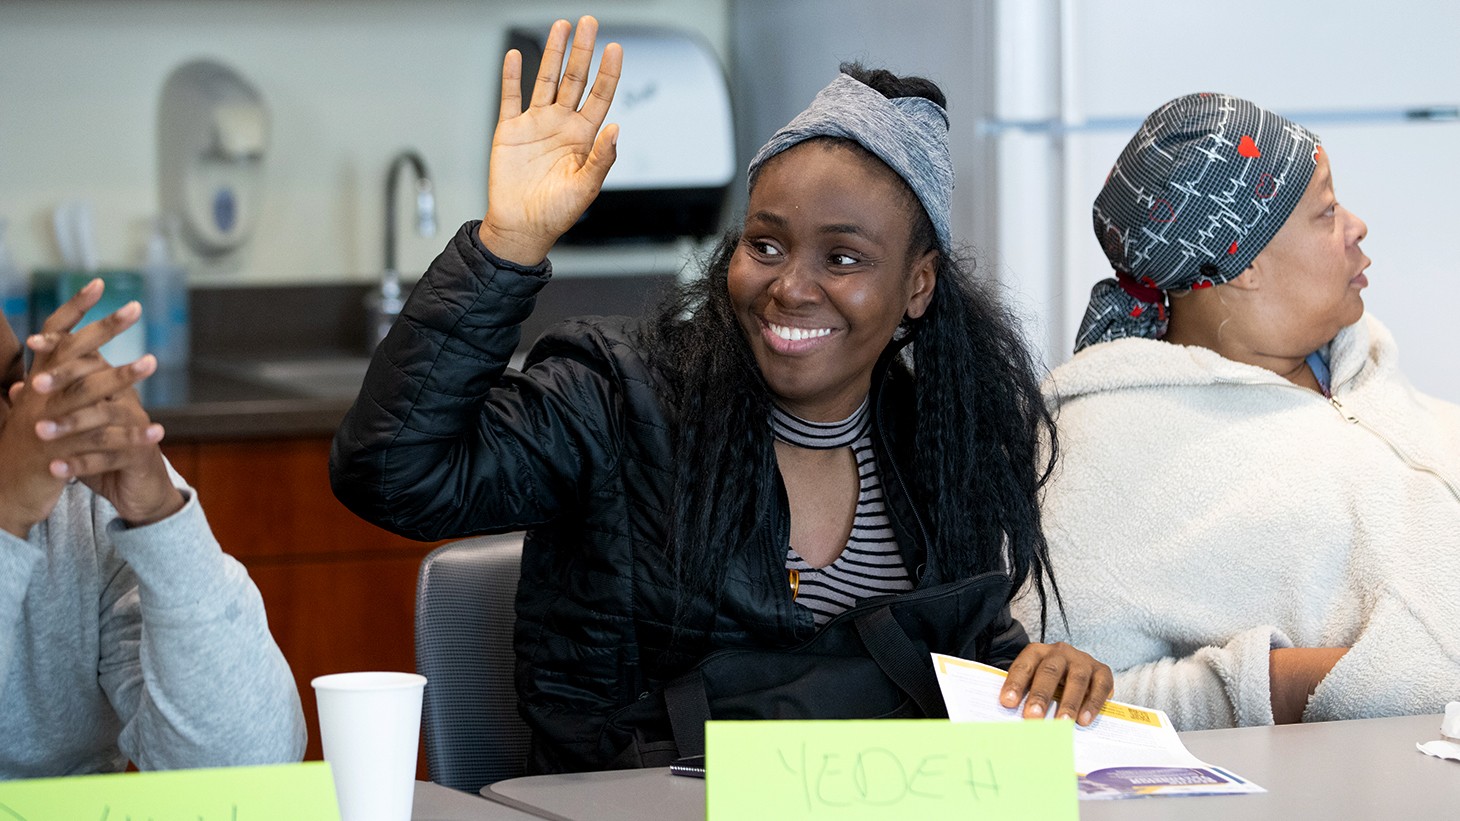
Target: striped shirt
x,y
871,563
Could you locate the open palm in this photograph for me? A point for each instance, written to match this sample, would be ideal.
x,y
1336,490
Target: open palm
x,y
548,161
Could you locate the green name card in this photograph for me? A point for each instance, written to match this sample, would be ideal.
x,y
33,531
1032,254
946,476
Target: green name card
x,y
921,769
284,792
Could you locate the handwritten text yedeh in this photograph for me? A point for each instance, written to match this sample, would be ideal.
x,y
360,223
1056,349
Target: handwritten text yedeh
x,y
878,776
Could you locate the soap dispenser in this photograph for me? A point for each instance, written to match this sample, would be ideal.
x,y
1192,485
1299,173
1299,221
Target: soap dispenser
x,y
212,138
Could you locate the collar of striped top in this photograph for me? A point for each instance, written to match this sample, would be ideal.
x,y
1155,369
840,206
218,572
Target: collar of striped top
x,y
793,430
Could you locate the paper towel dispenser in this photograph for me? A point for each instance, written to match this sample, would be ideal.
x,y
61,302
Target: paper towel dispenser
x,y
212,135
676,148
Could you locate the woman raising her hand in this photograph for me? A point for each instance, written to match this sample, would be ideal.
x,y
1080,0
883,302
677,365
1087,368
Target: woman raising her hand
x,y
833,413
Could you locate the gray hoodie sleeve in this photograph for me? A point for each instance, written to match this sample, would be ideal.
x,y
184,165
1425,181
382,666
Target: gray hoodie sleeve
x,y
186,656
18,559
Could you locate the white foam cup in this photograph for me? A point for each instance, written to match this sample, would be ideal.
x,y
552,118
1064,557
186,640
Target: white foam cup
x,y
370,726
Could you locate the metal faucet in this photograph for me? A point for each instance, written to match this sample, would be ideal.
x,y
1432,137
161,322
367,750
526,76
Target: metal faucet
x,y
384,305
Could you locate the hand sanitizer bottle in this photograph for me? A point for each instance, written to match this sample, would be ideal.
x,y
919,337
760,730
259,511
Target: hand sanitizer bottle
x,y
14,290
165,303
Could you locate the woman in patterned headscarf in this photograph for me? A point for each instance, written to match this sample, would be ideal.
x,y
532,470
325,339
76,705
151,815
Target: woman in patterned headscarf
x,y
1257,518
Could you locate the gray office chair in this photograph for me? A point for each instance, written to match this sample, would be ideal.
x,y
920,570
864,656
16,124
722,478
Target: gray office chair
x,y
464,618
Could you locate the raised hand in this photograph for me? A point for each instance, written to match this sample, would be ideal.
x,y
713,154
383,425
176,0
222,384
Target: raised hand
x,y
548,161
87,416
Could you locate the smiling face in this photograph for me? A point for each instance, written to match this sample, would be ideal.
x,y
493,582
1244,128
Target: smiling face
x,y
824,274
1313,269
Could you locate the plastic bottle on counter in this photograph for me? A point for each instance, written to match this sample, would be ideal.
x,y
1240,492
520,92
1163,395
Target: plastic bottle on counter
x,y
165,303
14,289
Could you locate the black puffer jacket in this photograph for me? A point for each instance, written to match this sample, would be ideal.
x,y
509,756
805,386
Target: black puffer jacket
x,y
445,441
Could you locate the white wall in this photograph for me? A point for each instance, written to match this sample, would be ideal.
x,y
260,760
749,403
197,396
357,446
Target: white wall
x,y
348,83
784,52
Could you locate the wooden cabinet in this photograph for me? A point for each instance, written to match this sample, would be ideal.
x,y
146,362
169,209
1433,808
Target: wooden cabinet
x,y
340,592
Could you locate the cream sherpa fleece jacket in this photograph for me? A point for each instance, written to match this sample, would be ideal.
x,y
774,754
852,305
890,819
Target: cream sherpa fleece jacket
x,y
1205,511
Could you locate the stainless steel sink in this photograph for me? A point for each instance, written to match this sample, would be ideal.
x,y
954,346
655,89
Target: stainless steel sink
x,y
315,377
324,377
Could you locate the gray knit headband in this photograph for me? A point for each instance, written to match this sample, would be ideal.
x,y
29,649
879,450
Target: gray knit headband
x,y
910,134
1195,196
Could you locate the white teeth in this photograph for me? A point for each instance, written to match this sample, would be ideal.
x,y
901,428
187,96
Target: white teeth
x,y
797,334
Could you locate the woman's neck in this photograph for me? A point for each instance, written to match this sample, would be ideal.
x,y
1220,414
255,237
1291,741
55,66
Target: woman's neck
x,y
806,433
1225,338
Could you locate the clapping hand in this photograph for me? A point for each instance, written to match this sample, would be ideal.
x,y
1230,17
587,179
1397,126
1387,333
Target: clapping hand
x,y
548,162
78,417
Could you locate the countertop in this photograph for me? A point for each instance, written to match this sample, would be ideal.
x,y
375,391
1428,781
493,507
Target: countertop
x,y
287,361
242,400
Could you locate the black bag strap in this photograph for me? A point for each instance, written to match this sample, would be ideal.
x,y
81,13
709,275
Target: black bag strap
x,y
888,645
689,709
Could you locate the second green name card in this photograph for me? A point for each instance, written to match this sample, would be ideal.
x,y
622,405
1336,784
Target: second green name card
x,y
924,769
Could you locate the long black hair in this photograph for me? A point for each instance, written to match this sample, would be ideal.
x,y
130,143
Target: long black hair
x,y
979,430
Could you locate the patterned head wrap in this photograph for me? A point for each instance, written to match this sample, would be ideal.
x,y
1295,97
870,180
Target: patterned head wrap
x,y
910,134
1195,196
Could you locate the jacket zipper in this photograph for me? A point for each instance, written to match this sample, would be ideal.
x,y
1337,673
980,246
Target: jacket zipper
x,y
1403,457
1348,416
